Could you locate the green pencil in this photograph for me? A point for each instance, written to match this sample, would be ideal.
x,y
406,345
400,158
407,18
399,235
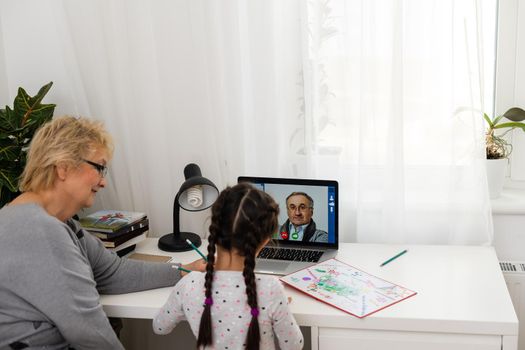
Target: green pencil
x,y
394,257
196,249
183,269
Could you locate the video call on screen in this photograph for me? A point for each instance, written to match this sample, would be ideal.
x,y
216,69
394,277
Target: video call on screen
x,y
325,202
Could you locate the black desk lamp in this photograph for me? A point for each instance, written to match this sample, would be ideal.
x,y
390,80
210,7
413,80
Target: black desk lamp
x,y
196,193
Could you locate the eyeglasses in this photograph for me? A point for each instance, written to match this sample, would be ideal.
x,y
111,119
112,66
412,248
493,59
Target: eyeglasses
x,y
102,169
301,207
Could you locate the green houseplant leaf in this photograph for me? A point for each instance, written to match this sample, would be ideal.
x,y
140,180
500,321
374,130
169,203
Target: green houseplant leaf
x,y
17,127
496,146
515,114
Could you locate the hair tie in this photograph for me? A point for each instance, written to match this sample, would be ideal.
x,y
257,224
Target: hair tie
x,y
255,312
208,301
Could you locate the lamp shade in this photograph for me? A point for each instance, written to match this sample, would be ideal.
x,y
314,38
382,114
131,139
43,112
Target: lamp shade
x,y
195,194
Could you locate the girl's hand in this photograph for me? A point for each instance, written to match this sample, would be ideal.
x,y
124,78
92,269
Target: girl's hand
x,y
197,265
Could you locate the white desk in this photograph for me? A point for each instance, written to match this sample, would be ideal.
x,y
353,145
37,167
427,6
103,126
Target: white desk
x,y
462,301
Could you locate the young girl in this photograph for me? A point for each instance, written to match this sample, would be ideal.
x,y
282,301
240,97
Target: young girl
x,y
235,309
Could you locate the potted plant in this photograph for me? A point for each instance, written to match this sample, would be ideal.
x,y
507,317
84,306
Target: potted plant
x,y
498,149
17,127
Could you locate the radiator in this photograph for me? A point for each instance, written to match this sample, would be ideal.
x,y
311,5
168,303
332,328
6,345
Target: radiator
x,y
514,273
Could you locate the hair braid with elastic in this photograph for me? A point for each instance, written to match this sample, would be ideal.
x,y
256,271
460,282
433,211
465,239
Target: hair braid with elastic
x,y
205,327
253,336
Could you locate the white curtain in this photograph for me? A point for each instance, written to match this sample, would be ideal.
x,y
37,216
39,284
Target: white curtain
x,y
364,92
389,79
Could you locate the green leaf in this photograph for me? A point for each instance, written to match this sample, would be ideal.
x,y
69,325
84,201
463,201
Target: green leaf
x,y
39,116
487,119
9,150
9,178
515,114
2,118
8,120
511,125
27,107
41,93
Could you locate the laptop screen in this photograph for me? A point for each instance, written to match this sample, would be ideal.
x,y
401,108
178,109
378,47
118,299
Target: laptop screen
x,y
308,213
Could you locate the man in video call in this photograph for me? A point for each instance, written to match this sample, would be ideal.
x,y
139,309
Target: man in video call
x,y
300,226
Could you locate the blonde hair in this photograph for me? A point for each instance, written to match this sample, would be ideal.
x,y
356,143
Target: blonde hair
x,y
64,140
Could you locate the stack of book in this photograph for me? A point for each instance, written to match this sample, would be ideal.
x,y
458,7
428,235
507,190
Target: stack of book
x,y
117,229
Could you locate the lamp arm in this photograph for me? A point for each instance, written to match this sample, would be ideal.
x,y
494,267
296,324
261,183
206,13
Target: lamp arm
x,y
176,215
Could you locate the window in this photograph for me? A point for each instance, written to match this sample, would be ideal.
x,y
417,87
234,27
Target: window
x,y
510,79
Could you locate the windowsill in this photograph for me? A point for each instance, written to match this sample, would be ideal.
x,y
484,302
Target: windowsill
x,y
511,202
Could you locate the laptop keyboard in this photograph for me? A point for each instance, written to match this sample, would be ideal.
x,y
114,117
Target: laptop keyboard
x,y
290,254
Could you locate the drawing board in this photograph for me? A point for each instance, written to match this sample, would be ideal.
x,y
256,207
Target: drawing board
x,y
347,288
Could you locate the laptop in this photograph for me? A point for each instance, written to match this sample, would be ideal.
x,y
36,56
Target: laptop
x,y
307,234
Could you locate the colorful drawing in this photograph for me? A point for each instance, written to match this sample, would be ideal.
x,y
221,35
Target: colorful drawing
x,y
347,288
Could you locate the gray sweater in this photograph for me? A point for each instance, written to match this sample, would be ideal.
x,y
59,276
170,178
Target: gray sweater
x,y
51,274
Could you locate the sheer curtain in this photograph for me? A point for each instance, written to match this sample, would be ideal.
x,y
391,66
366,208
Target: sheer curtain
x,y
389,80
364,92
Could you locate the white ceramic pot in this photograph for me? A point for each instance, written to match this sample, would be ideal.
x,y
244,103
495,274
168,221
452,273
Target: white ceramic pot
x,y
496,175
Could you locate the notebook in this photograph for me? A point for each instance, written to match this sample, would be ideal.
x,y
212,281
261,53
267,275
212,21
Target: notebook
x,y
308,223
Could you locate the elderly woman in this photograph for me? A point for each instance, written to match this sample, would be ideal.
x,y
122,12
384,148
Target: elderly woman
x,y
51,270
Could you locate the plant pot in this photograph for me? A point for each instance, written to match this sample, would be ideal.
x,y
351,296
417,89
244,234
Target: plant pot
x,y
496,175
